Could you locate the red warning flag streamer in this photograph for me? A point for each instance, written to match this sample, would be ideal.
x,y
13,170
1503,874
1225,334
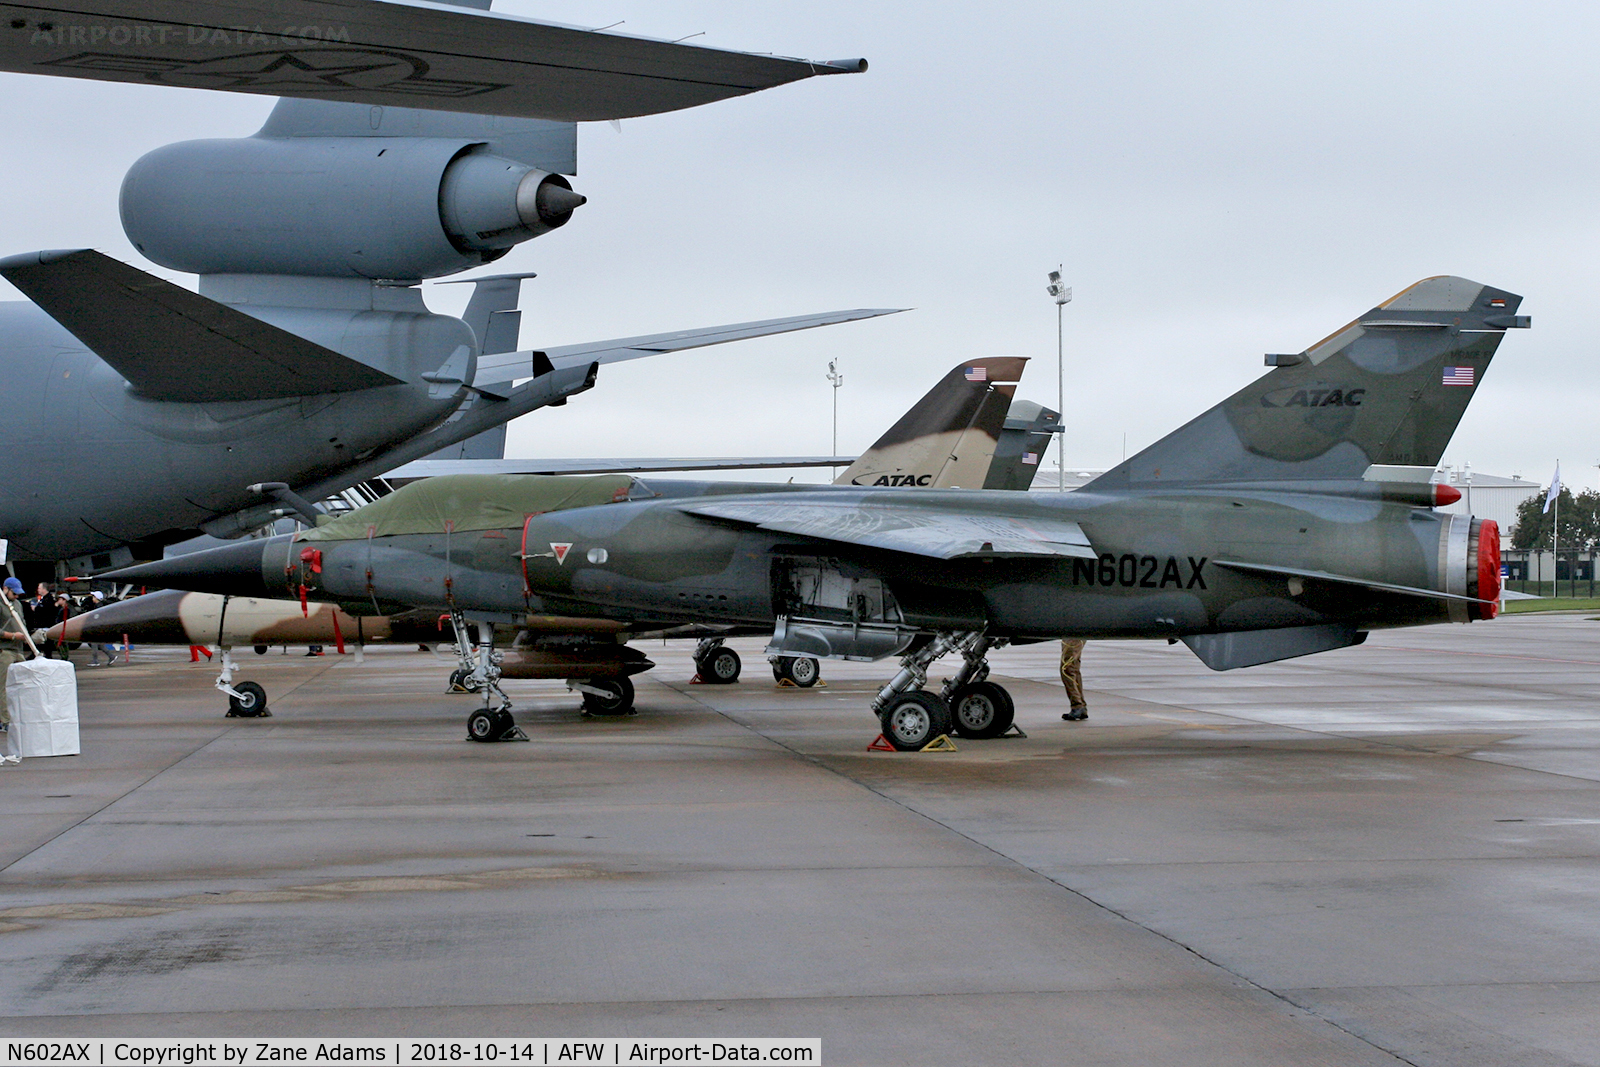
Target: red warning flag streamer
x,y
338,637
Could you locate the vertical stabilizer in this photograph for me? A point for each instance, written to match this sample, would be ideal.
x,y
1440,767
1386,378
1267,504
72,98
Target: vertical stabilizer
x,y
948,437
1389,388
1023,442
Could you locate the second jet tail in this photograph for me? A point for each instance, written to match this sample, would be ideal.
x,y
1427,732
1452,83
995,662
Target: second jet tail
x,y
948,438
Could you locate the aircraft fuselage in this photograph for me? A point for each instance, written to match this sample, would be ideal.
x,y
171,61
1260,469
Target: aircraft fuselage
x,y
97,465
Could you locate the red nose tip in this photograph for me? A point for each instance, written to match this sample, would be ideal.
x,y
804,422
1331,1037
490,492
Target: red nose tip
x,y
1444,495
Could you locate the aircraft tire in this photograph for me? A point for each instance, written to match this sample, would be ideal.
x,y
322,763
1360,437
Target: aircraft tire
x,y
461,682
720,666
251,702
914,719
260,650
803,671
485,725
620,702
982,710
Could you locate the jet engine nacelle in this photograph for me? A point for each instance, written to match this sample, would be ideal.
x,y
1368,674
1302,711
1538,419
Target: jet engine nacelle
x,y
401,208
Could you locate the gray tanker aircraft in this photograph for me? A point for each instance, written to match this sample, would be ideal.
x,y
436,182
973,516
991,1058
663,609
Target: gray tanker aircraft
x,y
967,429
1291,518
413,142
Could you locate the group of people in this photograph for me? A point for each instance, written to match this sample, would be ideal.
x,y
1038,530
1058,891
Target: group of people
x,y
47,607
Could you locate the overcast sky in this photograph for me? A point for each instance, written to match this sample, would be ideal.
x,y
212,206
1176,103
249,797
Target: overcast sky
x,y
1220,180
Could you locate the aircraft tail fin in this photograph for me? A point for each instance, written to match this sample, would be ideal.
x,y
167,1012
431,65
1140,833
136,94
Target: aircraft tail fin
x,y
1024,439
496,323
948,437
1388,389
173,344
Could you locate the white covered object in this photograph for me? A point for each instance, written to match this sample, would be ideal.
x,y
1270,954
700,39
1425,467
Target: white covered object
x,y
42,695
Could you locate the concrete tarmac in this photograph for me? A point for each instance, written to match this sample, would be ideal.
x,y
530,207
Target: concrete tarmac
x,y
1382,855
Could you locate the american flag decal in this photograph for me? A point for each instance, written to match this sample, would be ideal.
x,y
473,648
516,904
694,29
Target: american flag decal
x,y
1457,376
977,374
1030,458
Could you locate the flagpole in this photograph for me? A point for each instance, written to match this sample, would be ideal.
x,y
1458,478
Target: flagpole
x,y
1552,499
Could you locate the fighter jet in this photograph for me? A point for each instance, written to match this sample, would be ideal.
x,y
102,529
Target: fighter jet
x,y
1292,518
413,142
968,428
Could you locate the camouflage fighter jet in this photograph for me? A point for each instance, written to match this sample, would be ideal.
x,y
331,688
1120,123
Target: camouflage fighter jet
x,y
1291,518
968,428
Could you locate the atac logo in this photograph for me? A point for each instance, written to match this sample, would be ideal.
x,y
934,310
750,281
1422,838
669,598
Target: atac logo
x,y
1320,395
892,479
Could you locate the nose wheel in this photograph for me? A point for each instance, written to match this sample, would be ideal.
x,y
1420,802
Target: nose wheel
x,y
489,725
249,703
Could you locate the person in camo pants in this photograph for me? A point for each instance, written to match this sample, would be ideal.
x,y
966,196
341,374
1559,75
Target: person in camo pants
x,y
1072,678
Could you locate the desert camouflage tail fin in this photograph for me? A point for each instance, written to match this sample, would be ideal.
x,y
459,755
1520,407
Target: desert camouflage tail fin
x,y
948,437
1386,390
1023,442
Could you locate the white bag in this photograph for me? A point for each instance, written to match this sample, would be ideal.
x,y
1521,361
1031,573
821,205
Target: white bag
x,y
42,695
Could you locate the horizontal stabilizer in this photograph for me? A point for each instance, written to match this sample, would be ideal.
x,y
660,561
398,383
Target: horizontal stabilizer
x,y
937,532
433,468
1341,579
411,55
172,344
494,368
1224,652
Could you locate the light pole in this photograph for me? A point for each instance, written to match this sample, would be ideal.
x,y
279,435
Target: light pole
x,y
836,379
1063,295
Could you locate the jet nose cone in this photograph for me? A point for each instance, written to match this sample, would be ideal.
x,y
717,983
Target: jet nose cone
x,y
232,570
154,618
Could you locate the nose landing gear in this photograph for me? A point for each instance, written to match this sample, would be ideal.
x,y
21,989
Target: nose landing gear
x,y
247,700
489,723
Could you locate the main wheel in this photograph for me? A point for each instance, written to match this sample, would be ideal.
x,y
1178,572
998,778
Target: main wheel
x,y
461,681
801,670
720,666
485,725
914,719
261,650
617,701
982,710
251,703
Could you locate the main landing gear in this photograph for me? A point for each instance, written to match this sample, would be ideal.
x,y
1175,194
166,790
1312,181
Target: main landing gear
x,y
716,663
968,704
802,671
247,700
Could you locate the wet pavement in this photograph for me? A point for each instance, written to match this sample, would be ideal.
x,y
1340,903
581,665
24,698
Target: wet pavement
x,y
1380,855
